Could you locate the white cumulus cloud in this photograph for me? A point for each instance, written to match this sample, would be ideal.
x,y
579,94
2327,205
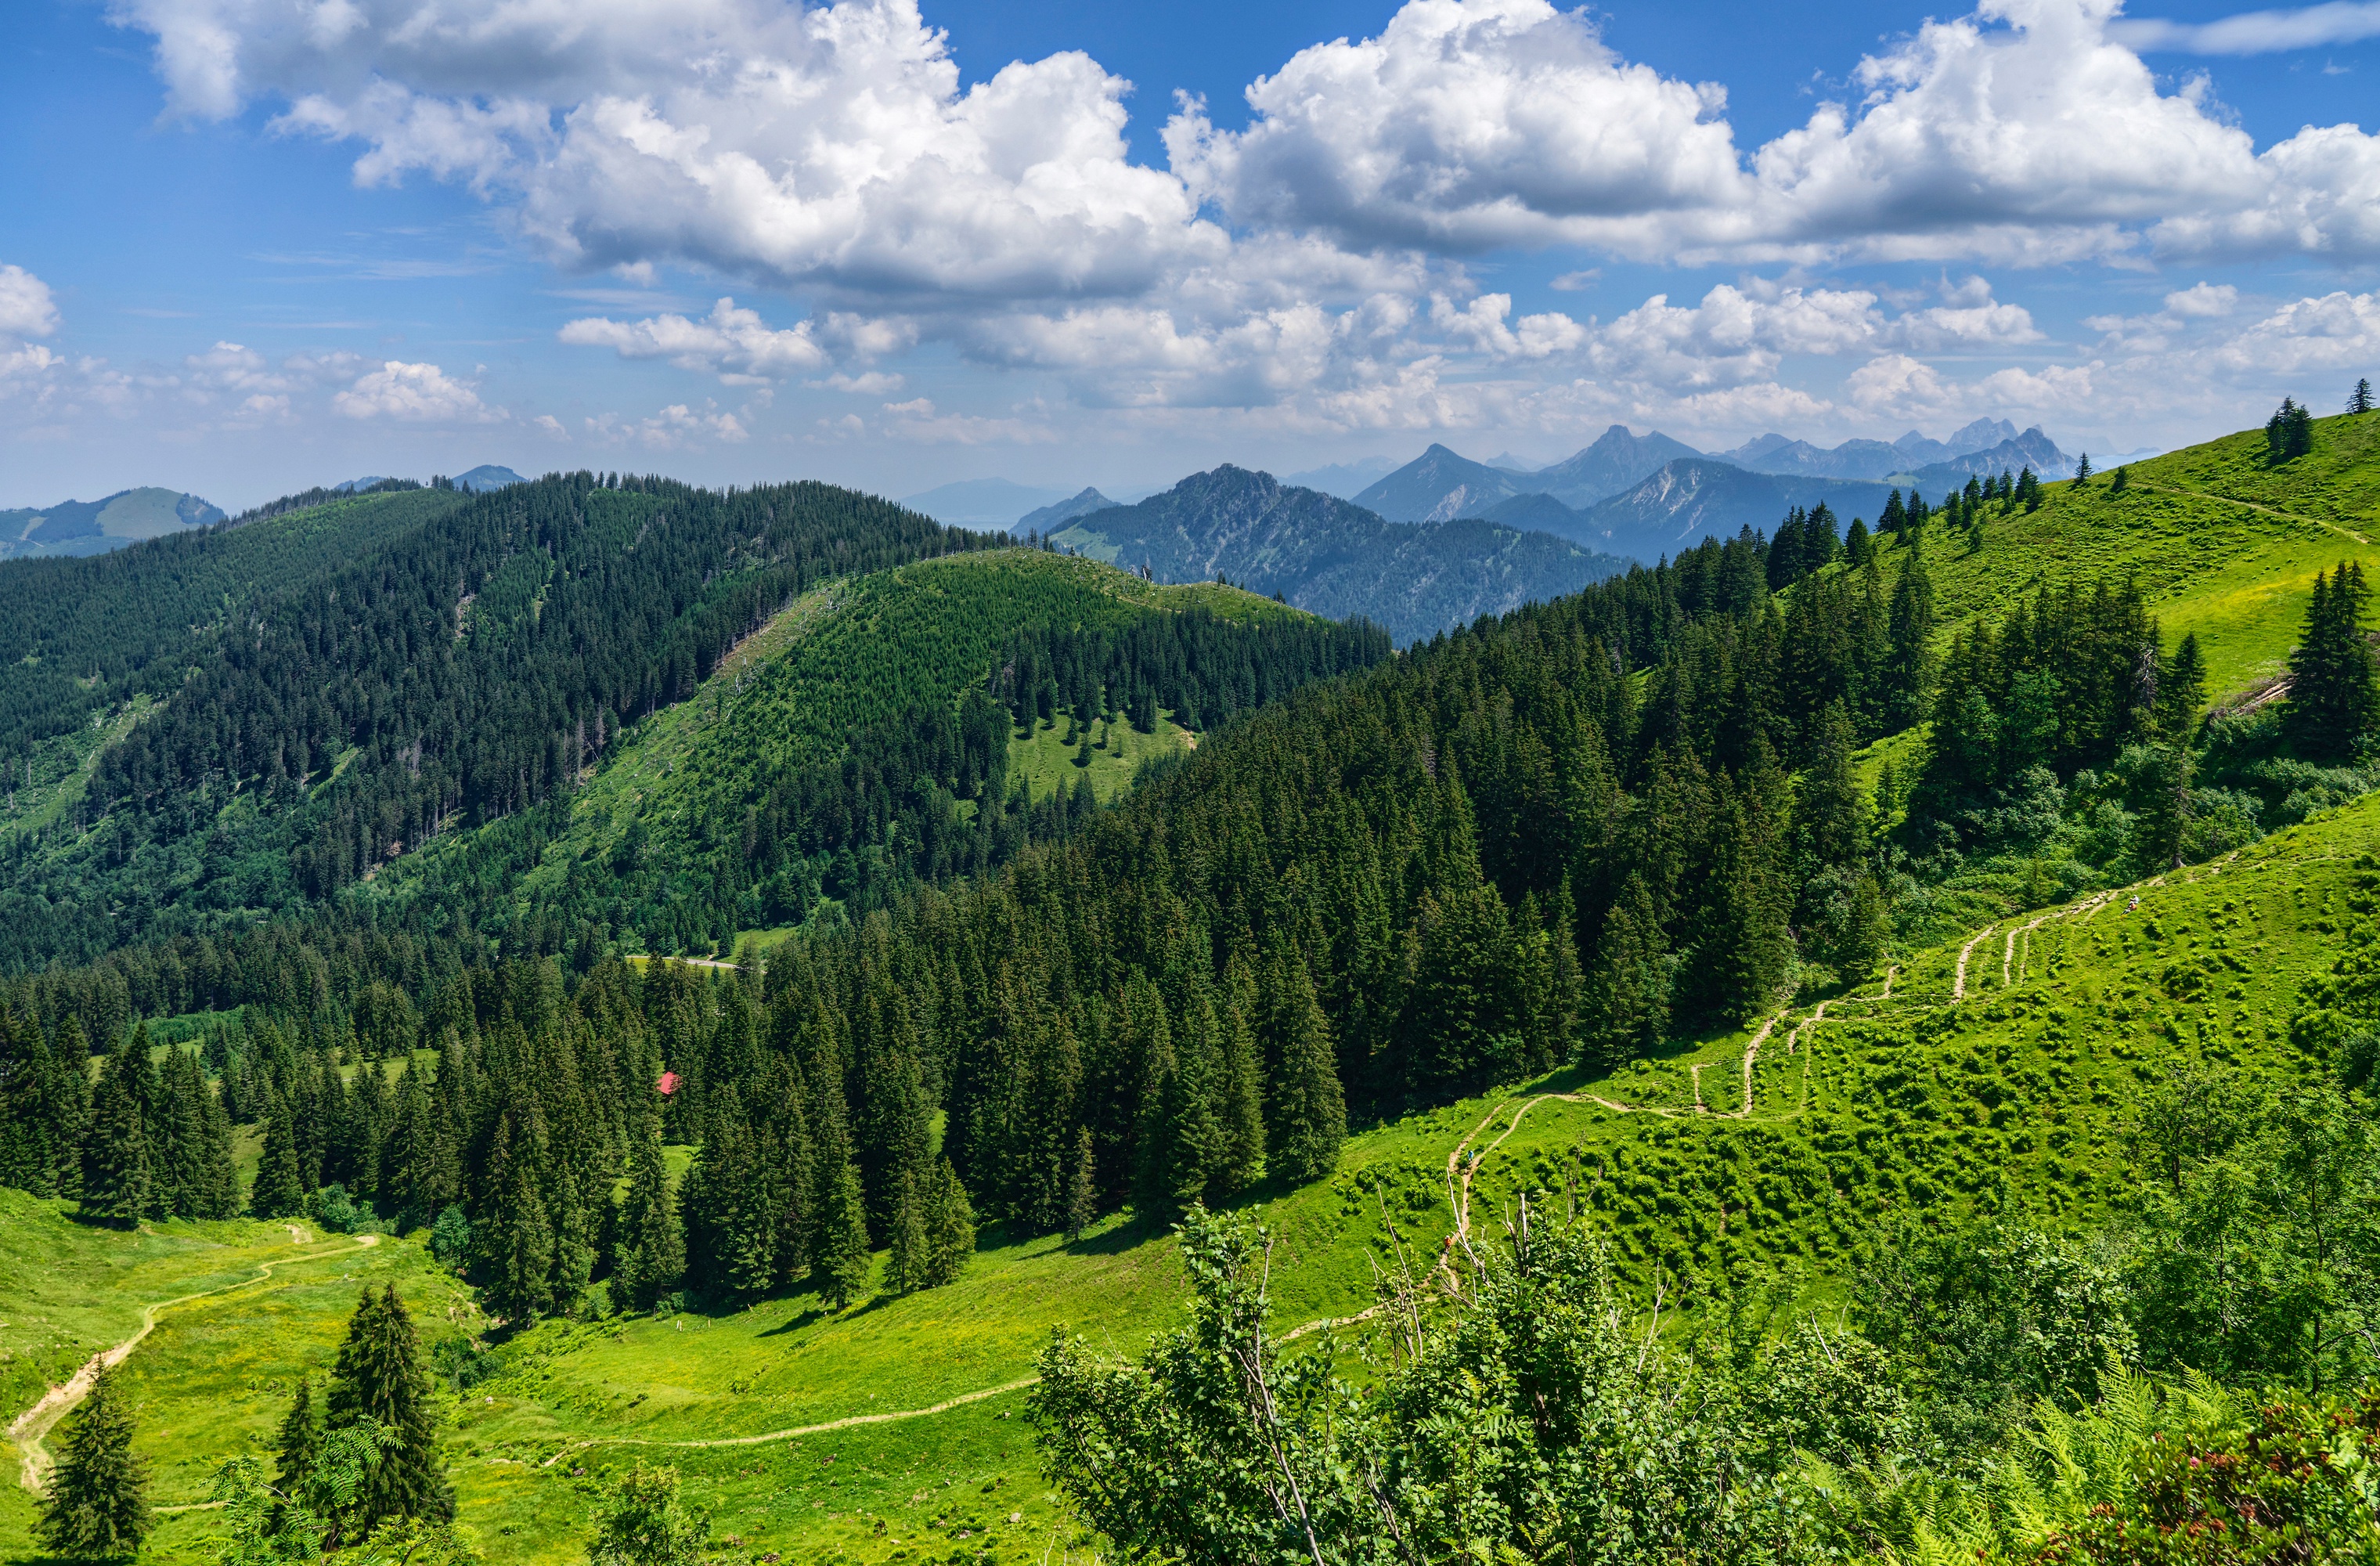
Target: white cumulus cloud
x,y
25,308
416,393
1465,124
728,342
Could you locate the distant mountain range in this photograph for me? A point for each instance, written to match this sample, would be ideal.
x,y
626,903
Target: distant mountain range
x,y
95,526
1334,557
1648,495
479,480
1697,497
982,503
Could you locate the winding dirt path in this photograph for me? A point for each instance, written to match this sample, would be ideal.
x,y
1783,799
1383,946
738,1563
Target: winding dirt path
x,y
891,1415
796,1431
2269,511
28,1428
1959,981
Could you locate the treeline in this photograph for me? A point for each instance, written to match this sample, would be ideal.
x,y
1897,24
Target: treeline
x,y
512,1105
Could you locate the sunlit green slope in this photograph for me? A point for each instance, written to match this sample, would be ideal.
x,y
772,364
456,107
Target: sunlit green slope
x,y
2226,544
1999,1073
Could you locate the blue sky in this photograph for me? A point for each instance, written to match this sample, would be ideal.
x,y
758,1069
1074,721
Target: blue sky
x,y
253,245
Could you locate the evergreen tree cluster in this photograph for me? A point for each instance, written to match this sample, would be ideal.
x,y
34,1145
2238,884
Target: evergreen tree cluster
x,y
2064,682
2290,432
157,1141
2334,702
378,1388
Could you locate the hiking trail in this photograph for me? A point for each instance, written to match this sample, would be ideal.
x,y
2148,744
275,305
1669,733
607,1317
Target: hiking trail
x,y
28,1428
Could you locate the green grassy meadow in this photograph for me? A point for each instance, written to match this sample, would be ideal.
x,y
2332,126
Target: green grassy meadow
x,y
2226,546
1048,765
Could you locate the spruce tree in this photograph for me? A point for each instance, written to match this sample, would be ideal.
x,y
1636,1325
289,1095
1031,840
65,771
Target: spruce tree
x,y
843,1262
2181,690
280,1190
1082,1187
905,1243
379,1378
1909,657
1895,515
2360,400
2082,472
1742,947
1867,934
1309,1123
30,1131
2334,699
1239,1106
298,1444
652,1243
1629,987
513,1246
2289,433
96,1504
574,1239
118,1183
952,1241
1831,810
1179,1139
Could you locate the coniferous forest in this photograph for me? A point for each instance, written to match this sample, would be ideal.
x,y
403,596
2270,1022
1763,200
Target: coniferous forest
x,y
407,859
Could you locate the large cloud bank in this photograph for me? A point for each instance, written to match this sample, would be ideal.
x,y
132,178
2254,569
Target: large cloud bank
x,y
1315,259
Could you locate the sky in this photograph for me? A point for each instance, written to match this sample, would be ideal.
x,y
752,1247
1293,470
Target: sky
x,y
251,246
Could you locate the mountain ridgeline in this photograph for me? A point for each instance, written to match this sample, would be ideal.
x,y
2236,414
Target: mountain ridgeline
x,y
1333,557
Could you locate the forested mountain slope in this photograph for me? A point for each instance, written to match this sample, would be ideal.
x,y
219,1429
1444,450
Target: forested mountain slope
x,y
2024,1075
862,740
455,671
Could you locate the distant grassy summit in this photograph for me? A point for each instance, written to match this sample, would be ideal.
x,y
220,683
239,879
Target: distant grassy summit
x,y
84,527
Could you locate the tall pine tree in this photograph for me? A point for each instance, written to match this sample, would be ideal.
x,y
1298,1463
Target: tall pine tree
x,y
1309,1119
843,1262
2334,698
379,1378
298,1446
118,1183
95,1506
280,1189
653,1243
952,1241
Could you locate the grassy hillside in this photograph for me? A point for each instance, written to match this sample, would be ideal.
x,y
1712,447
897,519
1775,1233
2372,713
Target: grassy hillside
x,y
1999,1073
2226,545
